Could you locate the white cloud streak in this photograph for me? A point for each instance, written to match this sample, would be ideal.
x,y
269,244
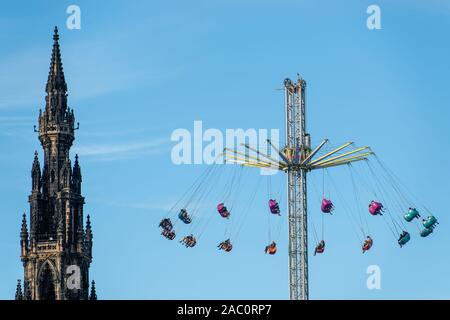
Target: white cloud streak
x,y
125,150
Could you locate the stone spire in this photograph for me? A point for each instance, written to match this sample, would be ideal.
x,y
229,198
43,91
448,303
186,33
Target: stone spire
x,y
36,173
24,236
89,237
88,229
93,295
24,229
57,120
19,294
56,79
57,238
76,176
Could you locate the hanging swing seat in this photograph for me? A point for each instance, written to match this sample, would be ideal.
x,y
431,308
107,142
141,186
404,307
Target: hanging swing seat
x,y
184,216
425,232
368,243
404,238
430,222
169,234
326,206
223,211
271,248
375,208
412,213
225,245
320,248
189,241
274,207
166,224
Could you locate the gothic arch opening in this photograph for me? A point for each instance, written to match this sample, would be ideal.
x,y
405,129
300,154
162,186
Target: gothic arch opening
x,y
47,283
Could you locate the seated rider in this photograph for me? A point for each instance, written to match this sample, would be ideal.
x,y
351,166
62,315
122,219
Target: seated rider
x,y
168,234
402,241
271,247
184,216
224,245
189,241
320,247
367,244
376,208
186,240
274,207
403,235
277,208
223,210
166,224
327,206
432,220
415,211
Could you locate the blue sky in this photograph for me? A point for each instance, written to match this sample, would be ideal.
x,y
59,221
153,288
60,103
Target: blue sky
x,y
138,71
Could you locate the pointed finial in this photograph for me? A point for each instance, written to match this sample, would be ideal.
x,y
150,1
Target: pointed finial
x,y
56,79
89,234
19,294
55,34
24,229
76,166
93,295
24,219
76,176
36,164
88,225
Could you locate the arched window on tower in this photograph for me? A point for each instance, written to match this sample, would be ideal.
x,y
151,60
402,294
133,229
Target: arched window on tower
x,y
46,283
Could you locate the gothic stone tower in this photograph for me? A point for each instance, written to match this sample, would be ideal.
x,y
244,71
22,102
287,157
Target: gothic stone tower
x,y
58,251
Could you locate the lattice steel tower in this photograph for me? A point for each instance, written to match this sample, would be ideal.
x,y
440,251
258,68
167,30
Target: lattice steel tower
x,y
297,159
297,140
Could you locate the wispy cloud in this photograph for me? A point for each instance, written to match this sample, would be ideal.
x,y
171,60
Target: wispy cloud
x,y
16,126
125,150
113,133
15,121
